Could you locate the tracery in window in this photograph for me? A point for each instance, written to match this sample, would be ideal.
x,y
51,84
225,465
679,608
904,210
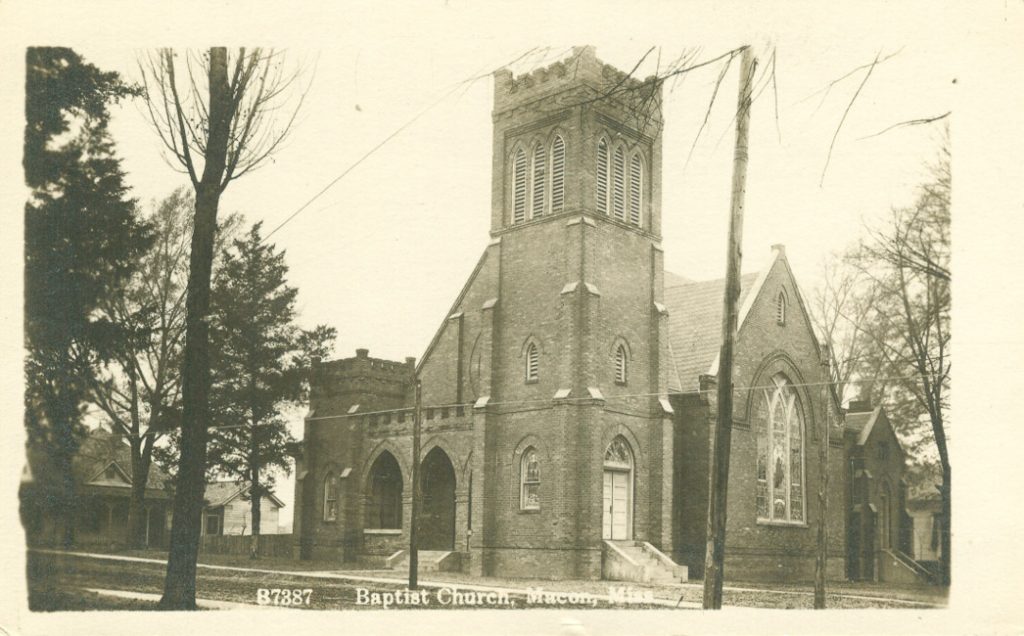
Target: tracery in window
x,y
519,184
557,175
529,479
618,454
780,449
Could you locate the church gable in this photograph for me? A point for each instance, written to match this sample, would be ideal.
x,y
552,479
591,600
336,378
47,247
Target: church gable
x,y
455,363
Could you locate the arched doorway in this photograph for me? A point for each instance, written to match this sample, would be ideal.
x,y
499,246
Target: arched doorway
x,y
617,517
384,503
437,513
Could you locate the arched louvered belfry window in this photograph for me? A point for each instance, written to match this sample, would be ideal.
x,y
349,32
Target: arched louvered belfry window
x,y
519,186
602,176
557,175
636,182
621,364
539,180
780,453
532,370
619,184
529,481
780,309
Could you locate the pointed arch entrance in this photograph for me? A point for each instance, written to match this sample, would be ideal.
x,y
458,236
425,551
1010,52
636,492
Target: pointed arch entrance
x,y
436,526
617,516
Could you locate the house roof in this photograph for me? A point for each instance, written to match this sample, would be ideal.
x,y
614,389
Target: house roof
x,y
220,493
861,424
695,323
103,459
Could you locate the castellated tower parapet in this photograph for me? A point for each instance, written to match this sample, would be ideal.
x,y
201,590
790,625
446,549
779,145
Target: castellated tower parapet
x,y
371,384
554,117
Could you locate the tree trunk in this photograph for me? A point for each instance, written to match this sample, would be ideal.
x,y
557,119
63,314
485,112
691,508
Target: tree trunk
x,y
946,561
137,498
821,562
180,584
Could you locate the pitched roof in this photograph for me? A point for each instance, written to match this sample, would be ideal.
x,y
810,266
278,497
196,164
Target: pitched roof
x,y
860,424
219,493
695,322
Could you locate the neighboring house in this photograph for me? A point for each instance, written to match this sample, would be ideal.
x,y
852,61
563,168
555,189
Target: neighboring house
x,y
924,505
569,391
103,478
228,510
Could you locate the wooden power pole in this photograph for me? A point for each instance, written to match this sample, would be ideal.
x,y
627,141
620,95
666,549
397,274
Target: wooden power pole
x,y
414,555
719,482
821,563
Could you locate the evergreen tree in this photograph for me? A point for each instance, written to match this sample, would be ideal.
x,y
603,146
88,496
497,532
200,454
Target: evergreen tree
x,y
255,348
82,239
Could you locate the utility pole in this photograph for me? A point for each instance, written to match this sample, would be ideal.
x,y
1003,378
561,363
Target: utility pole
x,y
821,563
414,556
719,482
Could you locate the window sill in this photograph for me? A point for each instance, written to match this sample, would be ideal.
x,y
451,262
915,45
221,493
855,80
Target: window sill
x,y
533,381
335,520
783,524
383,531
529,511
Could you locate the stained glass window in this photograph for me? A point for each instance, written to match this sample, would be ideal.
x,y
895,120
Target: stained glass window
x,y
618,454
780,453
530,476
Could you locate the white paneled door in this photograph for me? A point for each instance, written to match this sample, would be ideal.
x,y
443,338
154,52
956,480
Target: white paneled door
x,y
615,524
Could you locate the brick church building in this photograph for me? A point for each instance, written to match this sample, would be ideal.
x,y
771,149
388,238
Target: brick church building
x,y
569,391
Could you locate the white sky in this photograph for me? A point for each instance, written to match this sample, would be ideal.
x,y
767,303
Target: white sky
x,y
382,255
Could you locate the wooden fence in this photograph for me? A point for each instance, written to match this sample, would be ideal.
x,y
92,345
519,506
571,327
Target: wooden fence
x,y
271,545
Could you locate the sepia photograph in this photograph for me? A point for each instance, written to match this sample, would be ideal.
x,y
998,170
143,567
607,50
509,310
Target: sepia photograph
x,y
611,330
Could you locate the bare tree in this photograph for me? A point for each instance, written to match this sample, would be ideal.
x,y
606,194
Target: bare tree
x,y
906,329
215,133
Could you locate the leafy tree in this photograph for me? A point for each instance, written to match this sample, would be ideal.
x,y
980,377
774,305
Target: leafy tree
x,y
82,240
255,347
139,388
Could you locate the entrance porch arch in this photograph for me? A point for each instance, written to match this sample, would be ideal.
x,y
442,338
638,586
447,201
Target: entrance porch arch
x,y
436,527
617,492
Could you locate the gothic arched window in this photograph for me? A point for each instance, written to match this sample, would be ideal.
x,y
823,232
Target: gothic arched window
x,y
532,369
557,175
780,453
602,176
619,184
519,184
529,481
636,181
539,175
621,364
330,497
